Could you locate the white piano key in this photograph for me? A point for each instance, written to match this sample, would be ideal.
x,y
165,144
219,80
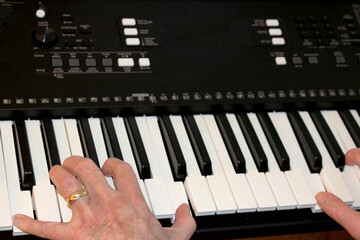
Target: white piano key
x,y
20,201
277,179
196,185
313,179
43,192
238,183
73,137
295,176
176,190
339,130
99,142
64,152
158,194
5,212
258,182
218,183
330,175
127,153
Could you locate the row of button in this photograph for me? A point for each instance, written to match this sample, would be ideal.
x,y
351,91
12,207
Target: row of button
x,y
106,62
311,60
275,31
130,30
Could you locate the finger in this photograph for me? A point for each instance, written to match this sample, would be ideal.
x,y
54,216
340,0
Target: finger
x,y
47,230
123,175
89,175
352,157
340,212
184,225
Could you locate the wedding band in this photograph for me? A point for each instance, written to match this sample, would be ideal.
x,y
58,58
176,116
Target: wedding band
x,y
75,196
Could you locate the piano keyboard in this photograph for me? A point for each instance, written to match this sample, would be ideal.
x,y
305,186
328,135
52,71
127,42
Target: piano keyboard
x,y
219,164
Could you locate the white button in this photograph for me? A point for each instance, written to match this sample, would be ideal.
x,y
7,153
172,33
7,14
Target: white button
x,y
128,21
125,62
275,32
144,62
130,31
40,13
280,61
133,41
272,22
278,41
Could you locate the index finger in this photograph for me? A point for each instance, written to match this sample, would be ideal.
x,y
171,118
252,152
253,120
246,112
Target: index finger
x,y
352,157
340,212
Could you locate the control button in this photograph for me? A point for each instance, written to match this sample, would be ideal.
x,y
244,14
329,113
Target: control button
x,y
107,62
125,62
275,32
297,60
45,36
144,62
74,62
69,30
280,61
131,31
313,60
90,62
128,21
272,22
340,60
87,43
57,62
85,29
40,13
66,18
132,41
70,43
278,41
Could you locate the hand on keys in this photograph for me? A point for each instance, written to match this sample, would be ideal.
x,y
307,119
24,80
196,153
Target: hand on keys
x,y
337,209
102,212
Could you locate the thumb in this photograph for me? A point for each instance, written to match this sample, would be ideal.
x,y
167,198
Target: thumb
x,y
335,208
184,225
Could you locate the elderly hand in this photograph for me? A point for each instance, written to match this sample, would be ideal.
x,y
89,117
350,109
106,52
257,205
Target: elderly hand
x,y
336,208
105,213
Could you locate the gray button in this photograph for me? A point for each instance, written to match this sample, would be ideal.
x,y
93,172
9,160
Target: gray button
x,y
74,62
90,62
313,60
297,60
57,62
107,62
340,60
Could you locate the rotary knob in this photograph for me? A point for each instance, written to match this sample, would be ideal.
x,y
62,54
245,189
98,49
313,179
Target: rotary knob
x,y
45,36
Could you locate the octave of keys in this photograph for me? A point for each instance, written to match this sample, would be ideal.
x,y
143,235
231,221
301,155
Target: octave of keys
x,y
220,164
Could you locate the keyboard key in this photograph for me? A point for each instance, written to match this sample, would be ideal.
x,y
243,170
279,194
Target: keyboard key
x,y
196,184
177,161
198,145
277,147
138,148
20,200
73,135
351,125
232,147
253,142
308,147
113,140
88,141
337,155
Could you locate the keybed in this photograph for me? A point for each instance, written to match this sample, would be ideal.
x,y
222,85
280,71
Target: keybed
x,y
219,164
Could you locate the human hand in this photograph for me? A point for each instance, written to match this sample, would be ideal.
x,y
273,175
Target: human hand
x,y
105,213
336,208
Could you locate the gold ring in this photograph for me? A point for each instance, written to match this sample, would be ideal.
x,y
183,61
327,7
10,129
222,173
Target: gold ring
x,y
75,196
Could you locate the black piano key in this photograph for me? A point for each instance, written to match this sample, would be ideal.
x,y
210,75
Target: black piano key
x,y
307,144
351,125
138,148
329,140
253,142
24,157
50,142
110,133
87,140
175,155
198,145
274,140
231,143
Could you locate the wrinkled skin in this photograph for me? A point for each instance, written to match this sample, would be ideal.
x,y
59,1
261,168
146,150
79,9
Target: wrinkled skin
x,y
105,213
